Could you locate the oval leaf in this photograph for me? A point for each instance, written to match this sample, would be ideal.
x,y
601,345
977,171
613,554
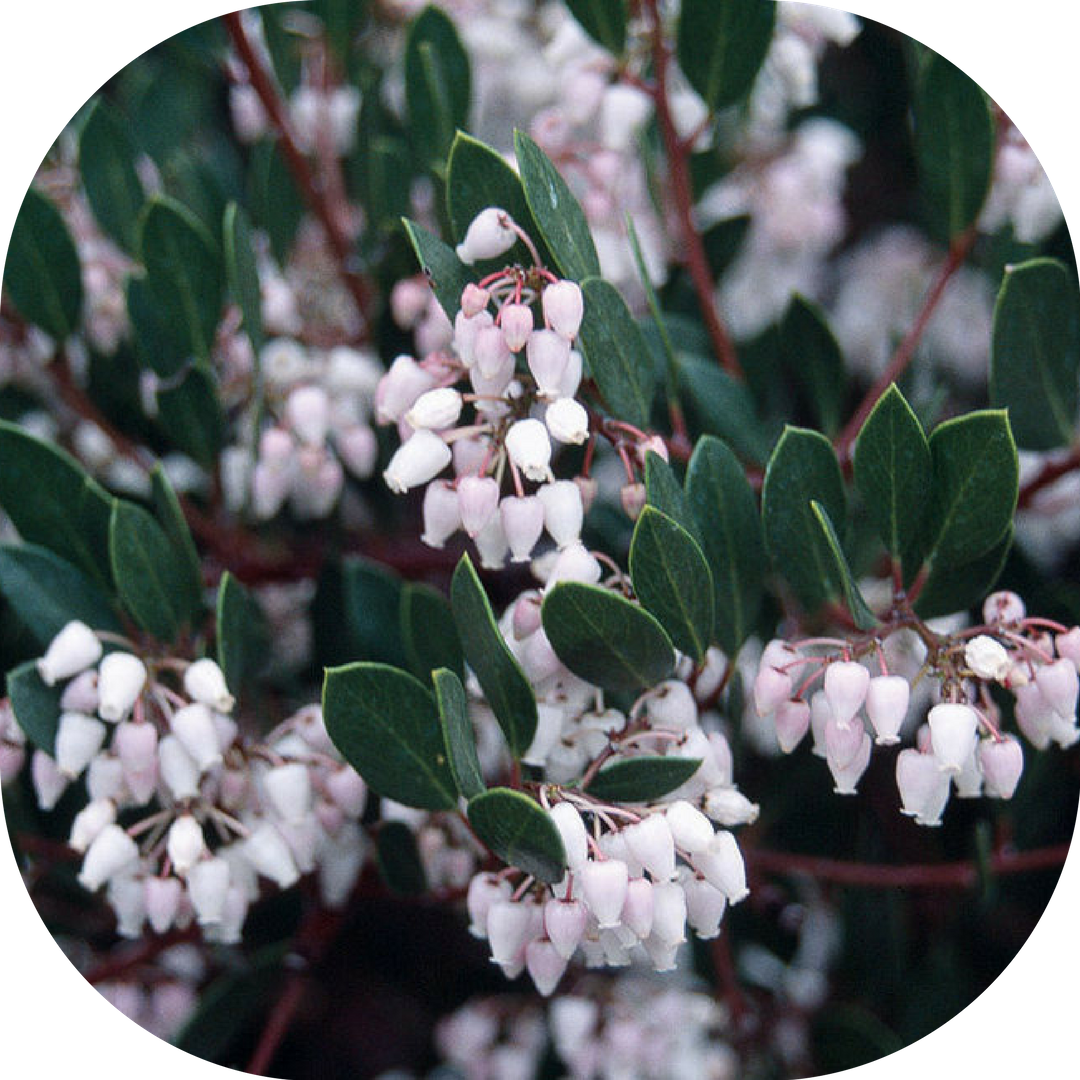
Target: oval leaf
x,y
518,830
171,518
813,360
860,611
447,274
107,166
458,732
189,412
664,492
36,706
385,723
398,856
428,632
949,588
242,274
642,779
243,637
603,20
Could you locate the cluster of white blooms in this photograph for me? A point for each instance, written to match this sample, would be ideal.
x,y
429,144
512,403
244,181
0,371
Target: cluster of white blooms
x,y
155,736
1021,194
522,379
962,746
449,853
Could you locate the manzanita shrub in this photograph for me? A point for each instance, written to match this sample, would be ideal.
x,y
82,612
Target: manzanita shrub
x,y
542,484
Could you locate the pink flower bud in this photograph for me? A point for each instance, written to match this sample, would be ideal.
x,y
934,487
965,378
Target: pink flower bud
x,y
489,235
136,746
705,906
409,300
526,616
478,500
638,907
563,308
193,726
563,511
564,924
845,686
652,444
491,544
267,851
522,522
81,694
288,788
632,495
848,774
442,513
987,658
161,899
722,866
417,461
567,421
89,821
574,564
791,720
359,450
474,300
399,388
111,852
208,886
347,789
516,321
671,706
545,966
1059,684
842,742
484,890
690,828
78,739
603,886
204,682
509,923
772,687
185,844
651,843
466,327
547,355
435,409
1068,645
924,788
952,734
73,650
669,912
178,769
1002,762
887,698
1003,609
529,447
307,412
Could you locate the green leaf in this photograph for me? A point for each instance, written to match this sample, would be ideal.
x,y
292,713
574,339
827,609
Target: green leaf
x,y
47,592
340,18
517,830
36,706
672,580
802,467
161,339
183,269
1035,361
383,190
458,732
557,213
730,527
437,84
447,274
722,242
241,272
642,779
189,412
954,146
243,637
386,725
950,588
722,46
860,611
274,200
603,20
812,358
663,491
399,860
974,487
107,165
42,272
722,407
892,471
171,518
505,686
372,611
428,631
150,583
606,639
53,502
618,358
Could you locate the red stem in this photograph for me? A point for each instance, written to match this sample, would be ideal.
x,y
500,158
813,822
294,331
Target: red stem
x,y
1050,471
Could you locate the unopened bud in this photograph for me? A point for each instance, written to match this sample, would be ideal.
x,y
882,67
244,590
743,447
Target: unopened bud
x,y
522,523
567,421
563,308
516,321
489,235
478,500
111,852
417,461
73,650
204,682
529,447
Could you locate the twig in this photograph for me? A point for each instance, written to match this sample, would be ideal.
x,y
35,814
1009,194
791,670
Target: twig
x,y
1047,474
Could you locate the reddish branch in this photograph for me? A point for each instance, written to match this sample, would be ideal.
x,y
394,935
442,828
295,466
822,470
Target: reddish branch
x,y
127,961
1051,471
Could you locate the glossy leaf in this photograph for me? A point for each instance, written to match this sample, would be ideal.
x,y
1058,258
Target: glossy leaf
x,y
107,155
372,611
726,510
399,861
642,779
446,272
170,517
243,637
603,20
1035,363
853,598
615,350
428,631
722,407
36,706
273,198
812,358
950,588
954,146
892,471
722,46
189,412
161,339
664,492
507,690
41,272
458,732
241,272
606,639
557,213
518,830
382,190
386,725
802,467
672,580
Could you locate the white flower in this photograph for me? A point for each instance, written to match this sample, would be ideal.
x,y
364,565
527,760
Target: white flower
x,y
603,885
420,459
529,447
204,682
78,739
952,734
567,420
987,657
121,678
489,235
887,698
185,844
548,355
73,650
307,410
563,308
522,523
563,511
442,513
194,727
111,852
435,409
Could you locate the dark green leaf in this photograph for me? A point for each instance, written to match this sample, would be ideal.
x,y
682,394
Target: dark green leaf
x,y
507,690
183,269
722,46
663,491
615,351
557,214
274,201
386,725
954,146
372,603
672,580
399,859
171,518
144,565
243,637
642,779
42,271
603,20
812,358
107,166
892,471
721,406
428,631
949,588
189,412
241,272
458,732
517,830
340,19
856,604
446,272
161,339
384,188
53,502
802,467
36,706
437,84
974,487
722,242
47,592
730,528
606,639
1036,353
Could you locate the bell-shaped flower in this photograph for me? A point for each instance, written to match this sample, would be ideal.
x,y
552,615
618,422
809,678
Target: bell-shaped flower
x,y
121,678
288,788
953,726
204,681
516,322
478,500
208,886
78,739
509,926
547,355
567,421
442,513
563,511
721,864
111,852
691,830
567,820
603,886
416,461
73,650
651,843
846,683
307,412
563,307
887,699
194,726
89,821
435,409
924,787
529,447
484,889
522,522
399,388
161,899
1002,762
179,771
791,721
185,844
669,912
705,907
489,235
545,965
267,851
847,775
564,924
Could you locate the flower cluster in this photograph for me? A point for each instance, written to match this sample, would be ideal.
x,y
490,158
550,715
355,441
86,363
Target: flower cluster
x,y
523,374
962,746
185,814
